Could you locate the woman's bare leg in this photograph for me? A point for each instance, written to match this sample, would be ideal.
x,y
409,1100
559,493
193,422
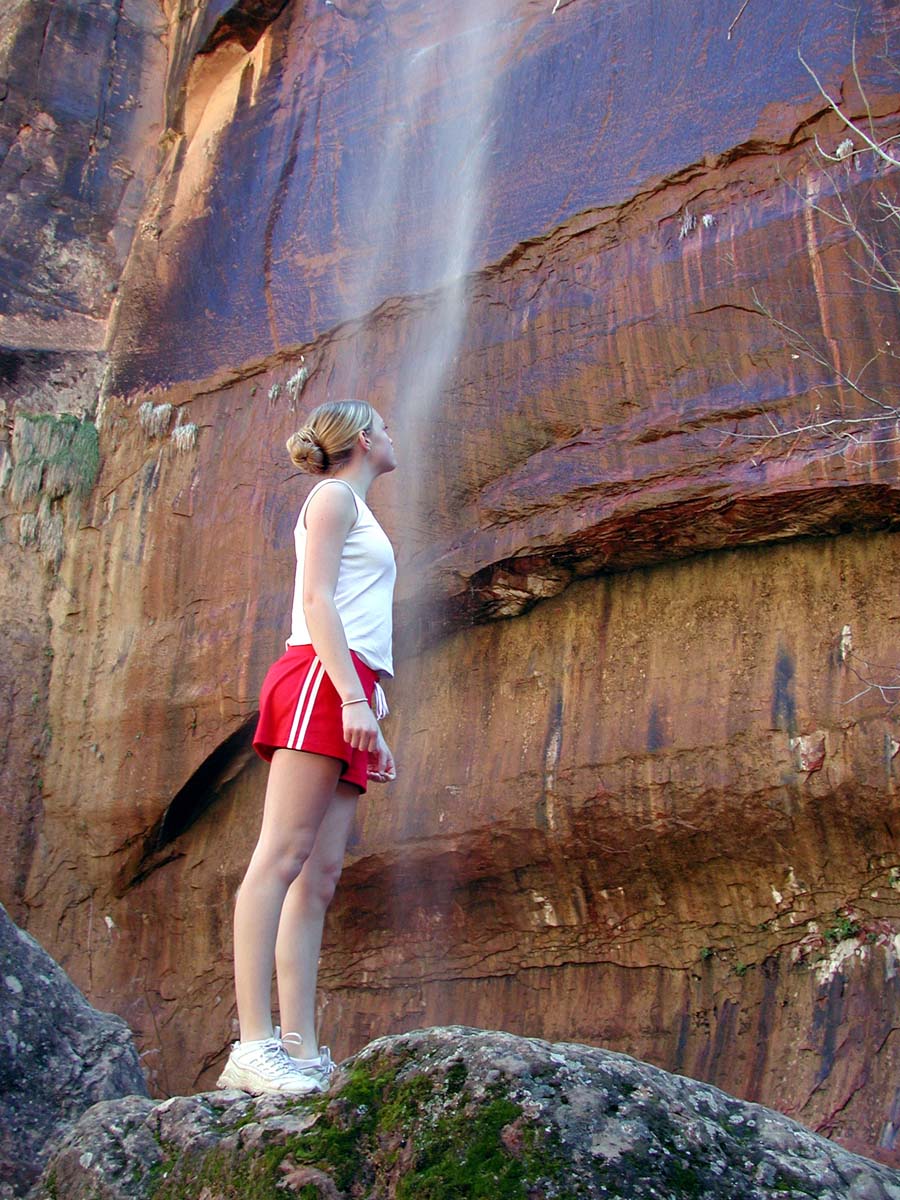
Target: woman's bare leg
x,y
303,917
300,790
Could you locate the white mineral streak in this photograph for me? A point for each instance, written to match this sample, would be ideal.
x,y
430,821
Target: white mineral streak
x,y
155,418
846,648
891,957
184,437
548,911
834,960
295,384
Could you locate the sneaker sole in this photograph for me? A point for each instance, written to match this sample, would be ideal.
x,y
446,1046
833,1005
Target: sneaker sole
x,y
244,1082
322,1082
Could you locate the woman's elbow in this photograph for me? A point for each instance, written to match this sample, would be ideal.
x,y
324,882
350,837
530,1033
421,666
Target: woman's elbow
x,y
315,602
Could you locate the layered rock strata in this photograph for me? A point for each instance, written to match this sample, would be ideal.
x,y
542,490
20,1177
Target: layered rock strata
x,y
80,94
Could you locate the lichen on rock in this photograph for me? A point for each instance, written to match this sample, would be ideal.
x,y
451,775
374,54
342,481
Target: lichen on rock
x,y
458,1112
52,456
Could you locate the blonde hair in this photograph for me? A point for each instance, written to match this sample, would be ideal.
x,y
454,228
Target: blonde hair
x,y
327,439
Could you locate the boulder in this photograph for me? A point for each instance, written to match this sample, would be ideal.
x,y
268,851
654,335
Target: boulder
x,y
461,1112
58,1056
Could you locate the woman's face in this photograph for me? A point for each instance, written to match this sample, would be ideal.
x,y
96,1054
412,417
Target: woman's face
x,y
381,447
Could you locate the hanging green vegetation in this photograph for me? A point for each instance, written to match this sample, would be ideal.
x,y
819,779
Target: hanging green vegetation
x,y
53,455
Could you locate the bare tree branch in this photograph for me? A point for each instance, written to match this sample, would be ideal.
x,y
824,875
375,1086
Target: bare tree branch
x,y
736,19
805,346
870,141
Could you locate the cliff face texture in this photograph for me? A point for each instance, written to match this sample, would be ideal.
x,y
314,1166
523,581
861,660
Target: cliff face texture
x,y
647,617
80,112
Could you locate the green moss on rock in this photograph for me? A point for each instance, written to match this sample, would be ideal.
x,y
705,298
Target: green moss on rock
x,y
463,1155
415,1137
464,1115
54,455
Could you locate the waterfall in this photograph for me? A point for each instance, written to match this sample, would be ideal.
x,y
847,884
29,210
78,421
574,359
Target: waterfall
x,y
416,203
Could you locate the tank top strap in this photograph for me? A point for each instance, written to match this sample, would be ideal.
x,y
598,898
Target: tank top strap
x,y
322,483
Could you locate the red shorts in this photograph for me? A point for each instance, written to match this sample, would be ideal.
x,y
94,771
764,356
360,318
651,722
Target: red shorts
x,y
300,709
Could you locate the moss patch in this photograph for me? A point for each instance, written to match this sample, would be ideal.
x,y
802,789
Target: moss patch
x,y
54,456
337,1144
417,1138
463,1155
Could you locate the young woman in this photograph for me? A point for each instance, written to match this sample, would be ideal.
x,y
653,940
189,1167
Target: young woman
x,y
318,729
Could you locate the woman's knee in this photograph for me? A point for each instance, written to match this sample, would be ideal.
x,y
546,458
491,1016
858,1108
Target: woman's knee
x,y
283,860
319,881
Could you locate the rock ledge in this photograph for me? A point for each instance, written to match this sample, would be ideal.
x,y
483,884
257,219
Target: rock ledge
x,y
461,1112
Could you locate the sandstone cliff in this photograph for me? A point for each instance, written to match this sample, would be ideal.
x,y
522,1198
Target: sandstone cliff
x,y
653,807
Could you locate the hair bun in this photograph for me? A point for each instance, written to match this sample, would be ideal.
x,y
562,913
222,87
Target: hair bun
x,y
306,452
327,440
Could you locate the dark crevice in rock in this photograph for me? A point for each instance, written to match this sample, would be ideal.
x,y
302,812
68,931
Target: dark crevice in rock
x,y
45,31
203,788
105,99
244,22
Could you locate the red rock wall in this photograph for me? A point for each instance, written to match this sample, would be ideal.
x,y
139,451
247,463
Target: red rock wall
x,y
651,809
80,95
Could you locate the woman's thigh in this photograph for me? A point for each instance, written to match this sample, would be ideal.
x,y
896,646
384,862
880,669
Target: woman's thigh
x,y
334,830
322,869
299,793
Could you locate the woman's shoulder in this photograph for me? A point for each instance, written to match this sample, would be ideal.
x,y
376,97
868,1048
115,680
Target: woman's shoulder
x,y
341,500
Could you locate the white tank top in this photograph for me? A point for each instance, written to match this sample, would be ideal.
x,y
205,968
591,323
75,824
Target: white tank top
x,y
365,586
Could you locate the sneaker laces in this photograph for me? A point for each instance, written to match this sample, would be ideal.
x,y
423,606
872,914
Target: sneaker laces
x,y
323,1064
326,1062
273,1057
289,1039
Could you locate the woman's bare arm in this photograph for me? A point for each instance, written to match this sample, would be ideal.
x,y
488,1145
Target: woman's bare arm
x,y
329,518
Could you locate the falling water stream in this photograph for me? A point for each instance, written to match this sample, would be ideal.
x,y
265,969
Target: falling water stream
x,y
417,201
417,197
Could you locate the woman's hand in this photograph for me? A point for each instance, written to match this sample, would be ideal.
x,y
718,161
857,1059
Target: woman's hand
x,y
360,727
381,762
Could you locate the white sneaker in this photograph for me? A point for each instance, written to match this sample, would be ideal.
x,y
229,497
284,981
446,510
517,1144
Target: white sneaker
x,y
319,1068
265,1066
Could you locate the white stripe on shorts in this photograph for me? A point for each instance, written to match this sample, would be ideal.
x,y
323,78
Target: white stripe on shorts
x,y
298,713
310,705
